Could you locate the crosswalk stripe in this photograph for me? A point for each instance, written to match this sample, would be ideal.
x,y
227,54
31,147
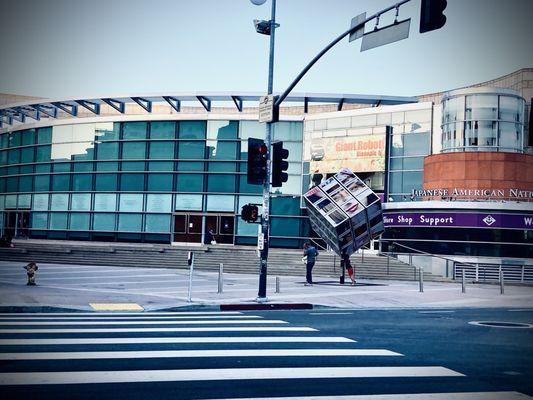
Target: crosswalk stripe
x,y
81,377
221,339
407,396
168,329
146,322
39,321
92,355
118,314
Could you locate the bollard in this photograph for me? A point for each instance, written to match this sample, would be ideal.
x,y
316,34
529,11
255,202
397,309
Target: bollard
x,y
421,279
463,289
277,284
220,278
388,262
502,286
190,261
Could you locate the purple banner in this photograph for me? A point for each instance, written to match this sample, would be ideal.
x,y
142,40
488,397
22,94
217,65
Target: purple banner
x,y
456,219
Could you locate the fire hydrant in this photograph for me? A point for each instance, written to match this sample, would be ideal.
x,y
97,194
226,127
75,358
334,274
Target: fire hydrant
x,y
31,269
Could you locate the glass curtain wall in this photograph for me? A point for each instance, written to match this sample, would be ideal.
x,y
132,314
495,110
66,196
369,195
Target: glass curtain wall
x,y
485,121
123,181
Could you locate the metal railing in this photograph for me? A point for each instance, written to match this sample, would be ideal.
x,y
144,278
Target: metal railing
x,y
474,272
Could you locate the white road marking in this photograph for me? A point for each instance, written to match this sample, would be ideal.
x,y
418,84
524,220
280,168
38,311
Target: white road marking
x,y
133,319
200,339
91,355
408,396
129,314
436,311
188,329
145,322
331,313
80,377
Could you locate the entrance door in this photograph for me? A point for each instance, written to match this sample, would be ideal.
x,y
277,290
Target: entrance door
x,y
188,228
16,223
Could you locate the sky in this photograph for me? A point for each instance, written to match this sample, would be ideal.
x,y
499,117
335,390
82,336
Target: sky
x,y
106,48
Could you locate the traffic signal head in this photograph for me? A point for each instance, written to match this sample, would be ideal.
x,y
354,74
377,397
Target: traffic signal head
x,y
250,213
257,160
431,15
279,164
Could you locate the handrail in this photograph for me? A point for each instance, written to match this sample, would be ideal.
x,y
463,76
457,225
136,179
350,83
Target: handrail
x,y
426,253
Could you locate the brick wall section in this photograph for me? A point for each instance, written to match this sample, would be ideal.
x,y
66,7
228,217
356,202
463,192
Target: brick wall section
x,y
478,170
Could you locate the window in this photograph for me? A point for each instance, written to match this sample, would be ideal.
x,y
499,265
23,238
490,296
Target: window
x,y
40,202
222,130
59,202
132,182
39,220
162,150
220,203
80,221
42,183
192,130
133,150
131,202
134,130
107,151
81,202
105,182
58,221
61,182
104,222
190,183
130,222
160,182
161,202
221,183
191,150
157,223
162,130
185,202
105,201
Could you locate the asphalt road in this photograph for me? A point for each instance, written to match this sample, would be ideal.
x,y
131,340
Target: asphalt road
x,y
267,354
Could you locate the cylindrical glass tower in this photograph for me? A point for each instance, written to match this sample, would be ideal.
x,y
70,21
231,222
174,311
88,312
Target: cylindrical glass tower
x,y
483,119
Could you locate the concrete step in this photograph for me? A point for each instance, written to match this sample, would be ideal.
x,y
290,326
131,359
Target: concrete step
x,y
239,259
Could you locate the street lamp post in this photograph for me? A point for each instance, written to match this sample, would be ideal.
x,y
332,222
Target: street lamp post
x,y
265,220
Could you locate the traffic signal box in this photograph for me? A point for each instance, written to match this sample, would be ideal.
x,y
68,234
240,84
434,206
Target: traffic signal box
x,y
279,164
431,15
250,213
257,160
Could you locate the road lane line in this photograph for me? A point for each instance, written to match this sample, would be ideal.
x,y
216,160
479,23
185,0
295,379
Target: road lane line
x,y
129,314
132,318
145,322
93,355
223,374
188,329
407,396
199,339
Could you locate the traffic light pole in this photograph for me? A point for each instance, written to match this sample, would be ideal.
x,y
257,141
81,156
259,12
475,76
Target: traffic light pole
x,y
265,220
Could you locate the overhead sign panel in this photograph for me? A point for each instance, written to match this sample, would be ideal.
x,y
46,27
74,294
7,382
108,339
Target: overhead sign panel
x,y
344,212
359,32
389,34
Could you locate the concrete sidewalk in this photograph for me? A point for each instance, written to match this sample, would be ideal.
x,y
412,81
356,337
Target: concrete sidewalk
x,y
77,287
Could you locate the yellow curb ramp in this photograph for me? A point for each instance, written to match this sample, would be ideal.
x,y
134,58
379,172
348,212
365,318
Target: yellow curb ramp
x,y
116,307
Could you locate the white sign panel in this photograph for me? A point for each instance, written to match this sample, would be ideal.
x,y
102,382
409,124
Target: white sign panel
x,y
266,108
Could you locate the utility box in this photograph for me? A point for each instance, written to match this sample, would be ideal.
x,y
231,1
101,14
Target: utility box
x,y
344,212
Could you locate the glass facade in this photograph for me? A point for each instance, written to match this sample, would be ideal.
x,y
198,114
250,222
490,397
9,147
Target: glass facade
x,y
128,181
357,140
483,119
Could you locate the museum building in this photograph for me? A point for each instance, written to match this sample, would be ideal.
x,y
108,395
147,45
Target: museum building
x,y
166,169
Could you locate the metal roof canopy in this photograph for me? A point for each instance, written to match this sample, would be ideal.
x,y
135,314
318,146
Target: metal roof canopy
x,y
19,112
